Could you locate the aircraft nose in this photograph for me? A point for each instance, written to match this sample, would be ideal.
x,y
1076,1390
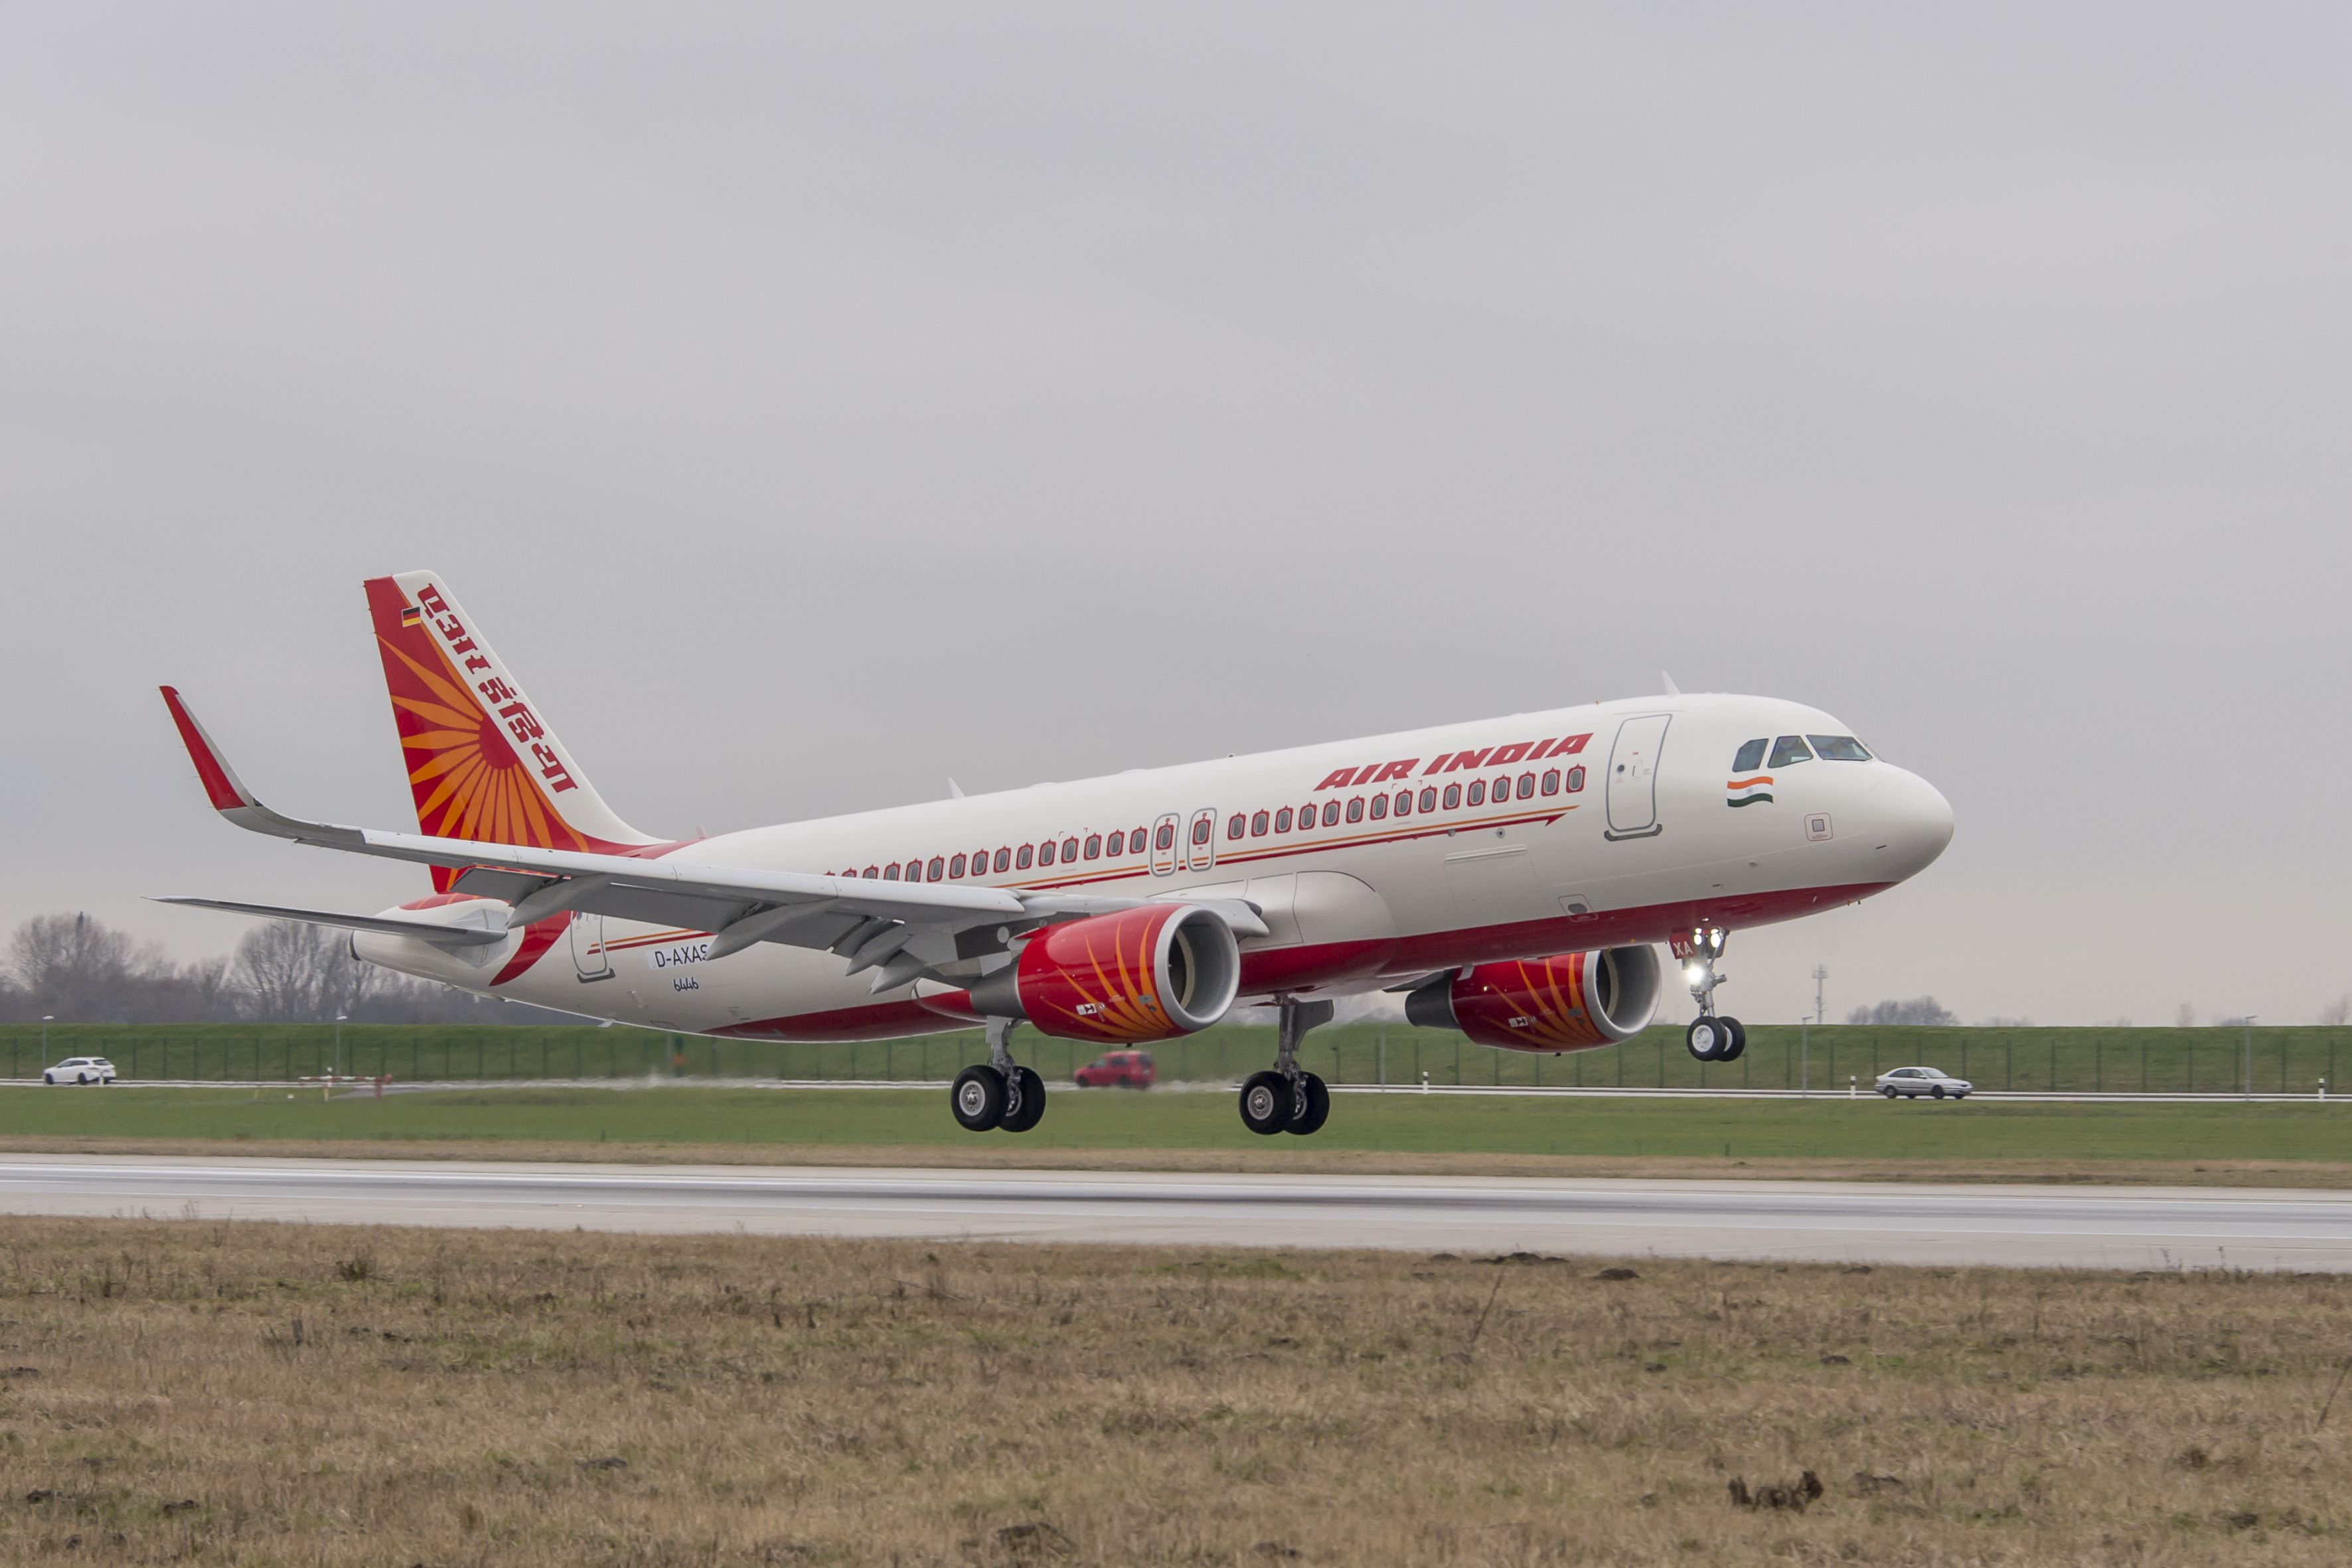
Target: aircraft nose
x,y
1912,819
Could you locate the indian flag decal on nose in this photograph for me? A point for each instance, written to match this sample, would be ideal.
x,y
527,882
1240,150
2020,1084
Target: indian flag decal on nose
x,y
1749,791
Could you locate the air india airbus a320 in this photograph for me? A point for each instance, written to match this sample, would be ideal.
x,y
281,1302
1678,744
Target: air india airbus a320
x,y
1511,877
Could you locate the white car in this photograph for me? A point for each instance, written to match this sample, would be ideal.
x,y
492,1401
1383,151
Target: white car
x,y
80,1069
1932,1082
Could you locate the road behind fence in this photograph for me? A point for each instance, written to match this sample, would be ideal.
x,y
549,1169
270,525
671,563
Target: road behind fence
x,y
2157,1061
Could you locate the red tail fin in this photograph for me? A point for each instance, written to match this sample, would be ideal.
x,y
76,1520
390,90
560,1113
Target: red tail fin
x,y
482,762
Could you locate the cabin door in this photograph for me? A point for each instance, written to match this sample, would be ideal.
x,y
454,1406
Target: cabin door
x,y
1633,776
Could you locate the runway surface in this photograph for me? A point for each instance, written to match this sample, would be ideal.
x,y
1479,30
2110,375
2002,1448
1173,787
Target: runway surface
x,y
2145,1227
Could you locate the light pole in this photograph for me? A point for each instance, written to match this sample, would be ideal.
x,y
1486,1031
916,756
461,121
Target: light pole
x,y
339,1043
1820,973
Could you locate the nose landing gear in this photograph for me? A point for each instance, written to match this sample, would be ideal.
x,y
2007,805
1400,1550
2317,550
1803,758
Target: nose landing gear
x,y
1288,1099
1000,1094
1711,1038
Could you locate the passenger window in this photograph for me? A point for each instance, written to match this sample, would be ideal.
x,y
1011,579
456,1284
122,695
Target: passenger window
x,y
938,868
1838,749
1118,844
980,862
1404,803
1429,799
1258,824
1166,838
1201,831
1356,809
1331,812
1004,860
1575,779
1380,806
873,872
1477,792
1135,841
1022,857
1069,849
1788,750
1750,757
1045,853
1453,797
955,868
1094,845
1307,815
1526,786
890,872
1237,826
1551,780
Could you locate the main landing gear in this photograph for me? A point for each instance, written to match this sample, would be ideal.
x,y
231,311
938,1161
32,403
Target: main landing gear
x,y
1000,1094
1288,1099
1711,1038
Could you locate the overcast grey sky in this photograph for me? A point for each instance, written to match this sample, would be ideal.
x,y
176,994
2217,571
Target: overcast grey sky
x,y
813,402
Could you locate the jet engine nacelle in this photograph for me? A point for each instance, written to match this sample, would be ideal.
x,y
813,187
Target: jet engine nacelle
x,y
1570,1003
1141,974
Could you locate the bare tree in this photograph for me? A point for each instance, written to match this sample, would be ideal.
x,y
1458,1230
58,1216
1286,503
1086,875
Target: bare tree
x,y
1917,1010
294,973
2184,1017
2338,1011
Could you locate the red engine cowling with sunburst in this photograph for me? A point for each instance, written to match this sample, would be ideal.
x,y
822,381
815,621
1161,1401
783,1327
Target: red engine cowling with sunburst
x,y
1569,1003
1147,973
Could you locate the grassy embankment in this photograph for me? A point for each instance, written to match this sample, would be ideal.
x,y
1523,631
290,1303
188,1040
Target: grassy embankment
x,y
2288,1144
218,1393
2290,1061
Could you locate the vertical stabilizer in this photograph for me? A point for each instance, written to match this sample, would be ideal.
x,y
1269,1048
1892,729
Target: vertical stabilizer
x,y
482,760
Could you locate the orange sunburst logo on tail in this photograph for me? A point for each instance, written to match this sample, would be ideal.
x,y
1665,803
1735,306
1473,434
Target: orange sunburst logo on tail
x,y
462,767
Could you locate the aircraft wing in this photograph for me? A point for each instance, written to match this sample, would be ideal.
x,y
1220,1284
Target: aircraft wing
x,y
902,929
439,935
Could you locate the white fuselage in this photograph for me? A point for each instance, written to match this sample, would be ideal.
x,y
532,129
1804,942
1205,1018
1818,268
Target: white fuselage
x,y
1662,836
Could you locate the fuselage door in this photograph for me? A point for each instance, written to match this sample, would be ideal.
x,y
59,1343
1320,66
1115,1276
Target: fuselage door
x,y
589,959
1163,847
1201,839
1633,776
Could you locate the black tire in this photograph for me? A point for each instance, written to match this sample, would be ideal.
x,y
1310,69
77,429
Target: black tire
x,y
1888,1091
1937,1092
1266,1103
978,1099
1738,1040
1706,1039
82,1079
1310,1105
1024,1100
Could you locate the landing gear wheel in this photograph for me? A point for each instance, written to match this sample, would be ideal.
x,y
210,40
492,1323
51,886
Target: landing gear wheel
x,y
978,1099
1310,1105
1266,1103
1707,1039
1024,1100
1739,1032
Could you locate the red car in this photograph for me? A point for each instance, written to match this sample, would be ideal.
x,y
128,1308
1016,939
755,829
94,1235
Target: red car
x,y
1118,1070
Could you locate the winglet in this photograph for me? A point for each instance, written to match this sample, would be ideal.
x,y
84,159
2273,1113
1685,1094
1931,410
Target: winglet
x,y
233,800
1672,690
222,786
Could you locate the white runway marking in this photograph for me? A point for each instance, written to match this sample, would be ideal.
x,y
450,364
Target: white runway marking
x,y
2113,1227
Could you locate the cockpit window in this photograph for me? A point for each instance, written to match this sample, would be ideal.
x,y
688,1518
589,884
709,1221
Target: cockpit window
x,y
1838,749
1750,757
1788,750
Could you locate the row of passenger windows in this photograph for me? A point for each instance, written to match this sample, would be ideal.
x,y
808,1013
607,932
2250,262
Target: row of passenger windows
x,y
1256,824
1452,797
1790,750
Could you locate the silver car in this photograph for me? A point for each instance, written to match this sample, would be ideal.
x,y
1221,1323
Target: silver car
x,y
80,1069
1932,1082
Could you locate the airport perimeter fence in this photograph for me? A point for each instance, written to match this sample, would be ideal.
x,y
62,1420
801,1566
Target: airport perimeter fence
x,y
2216,1061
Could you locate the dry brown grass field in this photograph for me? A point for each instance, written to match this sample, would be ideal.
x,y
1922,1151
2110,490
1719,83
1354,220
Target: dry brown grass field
x,y
214,1393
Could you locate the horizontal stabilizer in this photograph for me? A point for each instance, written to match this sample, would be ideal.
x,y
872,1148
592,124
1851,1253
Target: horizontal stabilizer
x,y
425,931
